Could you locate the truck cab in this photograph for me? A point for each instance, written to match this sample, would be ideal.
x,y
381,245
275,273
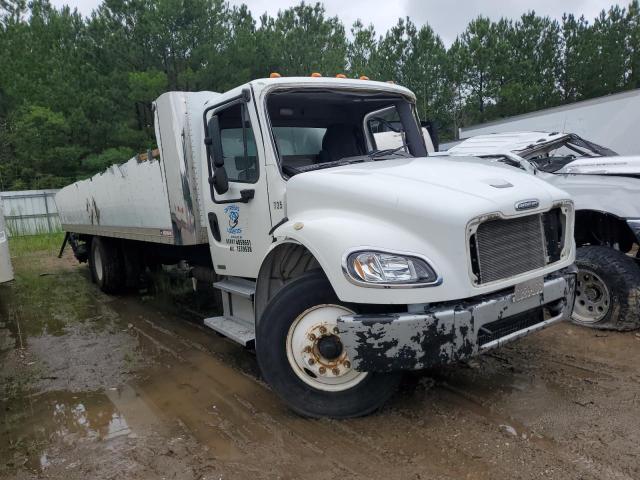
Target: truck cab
x,y
343,260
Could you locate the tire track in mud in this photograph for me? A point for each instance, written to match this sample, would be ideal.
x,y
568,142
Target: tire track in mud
x,y
240,419
588,468
567,418
600,382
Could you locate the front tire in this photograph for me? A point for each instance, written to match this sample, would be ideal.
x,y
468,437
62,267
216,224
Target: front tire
x,y
301,357
607,289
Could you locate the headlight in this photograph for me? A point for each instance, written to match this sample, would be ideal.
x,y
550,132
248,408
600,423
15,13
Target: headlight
x,y
371,268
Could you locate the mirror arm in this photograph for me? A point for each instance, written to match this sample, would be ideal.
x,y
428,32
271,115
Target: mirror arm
x,y
245,195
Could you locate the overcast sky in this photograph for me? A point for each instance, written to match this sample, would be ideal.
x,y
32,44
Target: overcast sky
x,y
447,17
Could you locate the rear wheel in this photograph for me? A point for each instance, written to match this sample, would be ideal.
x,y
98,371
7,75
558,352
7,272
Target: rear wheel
x,y
301,356
107,265
607,289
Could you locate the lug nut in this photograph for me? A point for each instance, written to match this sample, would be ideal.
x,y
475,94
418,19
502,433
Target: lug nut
x,y
311,361
336,372
322,370
347,364
335,330
312,337
307,349
323,330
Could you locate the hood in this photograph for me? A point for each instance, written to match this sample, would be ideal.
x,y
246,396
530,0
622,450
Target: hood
x,y
450,188
603,166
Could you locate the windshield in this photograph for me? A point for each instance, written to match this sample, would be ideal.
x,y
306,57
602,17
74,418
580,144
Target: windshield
x,y
556,155
327,128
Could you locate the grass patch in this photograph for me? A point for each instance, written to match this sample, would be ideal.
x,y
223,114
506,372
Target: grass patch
x,y
45,297
44,243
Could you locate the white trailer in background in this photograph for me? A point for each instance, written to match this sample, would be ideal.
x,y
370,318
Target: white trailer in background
x,y
6,270
611,121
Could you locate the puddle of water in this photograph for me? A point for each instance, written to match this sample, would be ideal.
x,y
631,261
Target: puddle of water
x,y
31,425
34,429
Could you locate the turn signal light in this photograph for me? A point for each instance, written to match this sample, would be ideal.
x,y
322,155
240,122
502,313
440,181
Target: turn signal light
x,y
274,75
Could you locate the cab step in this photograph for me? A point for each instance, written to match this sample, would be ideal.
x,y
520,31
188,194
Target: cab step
x,y
237,321
236,329
237,286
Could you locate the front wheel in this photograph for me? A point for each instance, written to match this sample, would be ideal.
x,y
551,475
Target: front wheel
x,y
301,356
607,289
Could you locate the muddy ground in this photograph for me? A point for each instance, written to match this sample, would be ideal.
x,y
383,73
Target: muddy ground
x,y
93,387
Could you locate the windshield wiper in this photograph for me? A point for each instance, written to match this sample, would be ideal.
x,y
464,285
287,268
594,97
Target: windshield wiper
x,y
376,154
289,170
386,152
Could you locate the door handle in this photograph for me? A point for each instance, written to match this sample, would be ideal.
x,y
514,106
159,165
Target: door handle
x,y
214,226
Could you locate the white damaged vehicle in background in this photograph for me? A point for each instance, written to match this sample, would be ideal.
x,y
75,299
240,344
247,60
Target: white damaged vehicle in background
x,y
343,262
605,188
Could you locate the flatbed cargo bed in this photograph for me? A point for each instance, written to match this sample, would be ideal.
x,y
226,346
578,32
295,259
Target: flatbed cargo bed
x,y
153,197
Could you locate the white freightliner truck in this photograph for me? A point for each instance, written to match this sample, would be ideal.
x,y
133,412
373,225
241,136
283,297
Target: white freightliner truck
x,y
345,263
605,188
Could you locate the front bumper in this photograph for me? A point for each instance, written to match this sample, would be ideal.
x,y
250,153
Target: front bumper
x,y
454,330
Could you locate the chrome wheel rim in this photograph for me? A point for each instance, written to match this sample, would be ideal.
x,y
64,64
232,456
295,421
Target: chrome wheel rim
x,y
593,299
304,345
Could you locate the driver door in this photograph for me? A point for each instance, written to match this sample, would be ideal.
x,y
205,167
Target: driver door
x,y
238,219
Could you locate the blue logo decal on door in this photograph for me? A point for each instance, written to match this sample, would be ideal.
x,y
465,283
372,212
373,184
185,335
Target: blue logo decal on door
x,y
233,212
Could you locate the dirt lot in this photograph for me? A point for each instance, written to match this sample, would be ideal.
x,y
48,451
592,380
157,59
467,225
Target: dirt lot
x,y
93,386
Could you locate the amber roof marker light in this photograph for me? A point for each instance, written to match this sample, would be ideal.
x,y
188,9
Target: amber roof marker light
x,y
316,74
274,75
341,75
364,77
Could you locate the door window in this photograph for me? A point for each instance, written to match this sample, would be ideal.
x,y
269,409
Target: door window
x,y
238,144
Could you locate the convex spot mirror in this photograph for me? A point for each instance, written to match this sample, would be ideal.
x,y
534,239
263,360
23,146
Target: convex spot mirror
x,y
213,141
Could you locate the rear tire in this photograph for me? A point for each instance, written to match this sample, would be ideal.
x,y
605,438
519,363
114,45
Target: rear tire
x,y
309,304
107,265
607,289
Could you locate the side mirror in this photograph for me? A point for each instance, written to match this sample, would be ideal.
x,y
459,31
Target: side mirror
x,y
213,141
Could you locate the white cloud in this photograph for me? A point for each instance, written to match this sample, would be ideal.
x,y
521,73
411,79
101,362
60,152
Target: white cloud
x,y
447,17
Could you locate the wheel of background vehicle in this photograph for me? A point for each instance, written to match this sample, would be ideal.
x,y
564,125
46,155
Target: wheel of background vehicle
x,y
301,357
607,289
106,264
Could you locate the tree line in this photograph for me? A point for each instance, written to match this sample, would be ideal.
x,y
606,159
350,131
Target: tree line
x,y
76,92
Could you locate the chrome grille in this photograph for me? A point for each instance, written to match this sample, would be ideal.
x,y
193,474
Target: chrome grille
x,y
508,247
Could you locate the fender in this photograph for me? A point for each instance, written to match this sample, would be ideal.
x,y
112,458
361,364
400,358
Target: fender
x,y
328,237
610,194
